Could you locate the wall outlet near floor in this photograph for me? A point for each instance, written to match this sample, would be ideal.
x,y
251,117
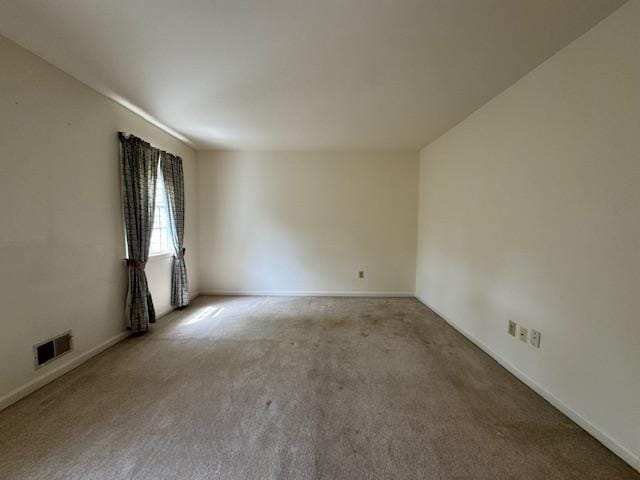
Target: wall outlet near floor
x,y
523,334
535,338
512,328
361,274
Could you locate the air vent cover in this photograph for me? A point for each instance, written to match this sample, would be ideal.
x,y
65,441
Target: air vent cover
x,y
51,349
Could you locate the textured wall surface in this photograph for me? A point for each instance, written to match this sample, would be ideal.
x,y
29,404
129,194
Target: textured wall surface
x,y
307,221
61,235
529,211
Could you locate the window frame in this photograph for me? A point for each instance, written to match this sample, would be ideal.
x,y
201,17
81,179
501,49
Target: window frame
x,y
164,207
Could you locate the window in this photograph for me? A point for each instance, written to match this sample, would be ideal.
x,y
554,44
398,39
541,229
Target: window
x,y
160,232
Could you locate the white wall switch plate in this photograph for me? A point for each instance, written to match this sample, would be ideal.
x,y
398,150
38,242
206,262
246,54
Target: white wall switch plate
x,y
512,328
535,338
524,334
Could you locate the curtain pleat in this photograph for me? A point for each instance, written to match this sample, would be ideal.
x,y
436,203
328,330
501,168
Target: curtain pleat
x,y
139,172
174,187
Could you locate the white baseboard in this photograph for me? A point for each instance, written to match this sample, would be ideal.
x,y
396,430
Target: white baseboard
x,y
594,430
60,370
171,308
164,311
30,387
298,293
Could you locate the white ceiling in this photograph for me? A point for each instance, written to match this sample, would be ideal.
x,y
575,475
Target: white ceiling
x,y
300,74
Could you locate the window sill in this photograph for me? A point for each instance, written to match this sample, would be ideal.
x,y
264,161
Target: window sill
x,y
160,256
156,257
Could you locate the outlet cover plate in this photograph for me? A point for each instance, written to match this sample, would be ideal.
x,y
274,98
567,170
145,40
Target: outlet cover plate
x,y
524,333
535,338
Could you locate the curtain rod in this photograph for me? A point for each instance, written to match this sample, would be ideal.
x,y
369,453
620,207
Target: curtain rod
x,y
126,136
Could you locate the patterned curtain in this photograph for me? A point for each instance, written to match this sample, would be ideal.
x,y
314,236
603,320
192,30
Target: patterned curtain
x,y
139,172
174,186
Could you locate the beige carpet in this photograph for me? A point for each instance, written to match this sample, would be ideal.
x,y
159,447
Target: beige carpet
x,y
296,388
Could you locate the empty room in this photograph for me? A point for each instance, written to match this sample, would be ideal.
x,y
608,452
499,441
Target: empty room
x,y
320,240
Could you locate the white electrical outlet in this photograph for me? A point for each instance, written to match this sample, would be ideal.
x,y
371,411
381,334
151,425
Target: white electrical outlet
x,y
512,328
535,338
524,334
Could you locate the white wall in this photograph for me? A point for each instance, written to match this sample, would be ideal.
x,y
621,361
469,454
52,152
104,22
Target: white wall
x,y
307,221
61,240
530,210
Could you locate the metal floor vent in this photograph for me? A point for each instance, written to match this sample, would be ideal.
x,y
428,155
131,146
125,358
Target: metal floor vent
x,y
51,349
